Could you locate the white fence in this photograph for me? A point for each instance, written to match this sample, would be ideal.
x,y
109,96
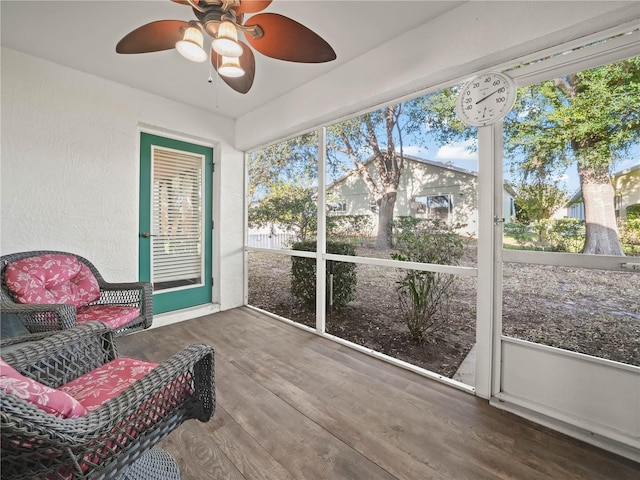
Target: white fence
x,y
270,240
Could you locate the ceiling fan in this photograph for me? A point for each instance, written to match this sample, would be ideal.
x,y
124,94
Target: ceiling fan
x,y
271,34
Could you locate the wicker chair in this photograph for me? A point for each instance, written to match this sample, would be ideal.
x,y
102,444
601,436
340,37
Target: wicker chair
x,y
105,442
58,316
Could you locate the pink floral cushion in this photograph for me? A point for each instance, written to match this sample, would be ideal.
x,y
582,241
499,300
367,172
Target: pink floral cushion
x,y
52,278
114,316
105,382
45,398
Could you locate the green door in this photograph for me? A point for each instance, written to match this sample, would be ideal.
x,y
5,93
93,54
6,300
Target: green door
x,y
175,221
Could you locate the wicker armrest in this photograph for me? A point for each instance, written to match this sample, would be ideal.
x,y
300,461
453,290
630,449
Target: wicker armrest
x,y
139,293
43,317
64,356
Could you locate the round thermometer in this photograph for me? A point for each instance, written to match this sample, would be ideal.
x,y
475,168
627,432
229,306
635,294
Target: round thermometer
x,y
486,99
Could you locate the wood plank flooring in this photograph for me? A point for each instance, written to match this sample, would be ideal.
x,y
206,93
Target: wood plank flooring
x,y
293,406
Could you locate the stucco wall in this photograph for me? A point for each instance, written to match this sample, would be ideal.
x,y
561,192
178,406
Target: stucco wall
x,y
418,179
70,167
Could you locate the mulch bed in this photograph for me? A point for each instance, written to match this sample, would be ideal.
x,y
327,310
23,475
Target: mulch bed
x,y
587,311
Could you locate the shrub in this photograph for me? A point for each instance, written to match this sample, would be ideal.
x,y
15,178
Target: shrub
x,y
565,234
630,236
424,296
522,233
352,227
633,211
303,273
556,235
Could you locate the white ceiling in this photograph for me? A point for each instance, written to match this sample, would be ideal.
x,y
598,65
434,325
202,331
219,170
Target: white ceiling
x,y
83,34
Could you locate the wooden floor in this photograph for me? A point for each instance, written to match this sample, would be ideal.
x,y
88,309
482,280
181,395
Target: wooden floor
x,y
292,405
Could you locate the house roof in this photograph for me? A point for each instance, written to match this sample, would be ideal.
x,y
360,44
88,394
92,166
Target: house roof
x,y
411,158
577,196
626,171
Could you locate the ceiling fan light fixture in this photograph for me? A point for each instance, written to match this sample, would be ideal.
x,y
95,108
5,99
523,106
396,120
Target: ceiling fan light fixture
x,y
190,47
230,67
226,41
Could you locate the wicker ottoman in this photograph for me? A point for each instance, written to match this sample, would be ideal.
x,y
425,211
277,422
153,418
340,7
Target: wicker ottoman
x,y
155,464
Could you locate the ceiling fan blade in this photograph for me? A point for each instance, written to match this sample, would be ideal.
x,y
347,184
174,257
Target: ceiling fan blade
x,y
152,37
286,39
184,2
247,62
252,6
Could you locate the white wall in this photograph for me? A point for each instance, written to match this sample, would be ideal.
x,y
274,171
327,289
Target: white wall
x,y
472,37
70,167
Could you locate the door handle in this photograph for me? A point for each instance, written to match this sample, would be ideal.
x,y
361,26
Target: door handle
x,y
147,235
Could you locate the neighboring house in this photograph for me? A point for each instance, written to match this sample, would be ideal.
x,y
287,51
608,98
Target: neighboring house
x,y
626,185
427,189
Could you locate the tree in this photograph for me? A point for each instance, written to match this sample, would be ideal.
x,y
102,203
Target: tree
x,y
538,200
291,207
293,161
377,137
592,118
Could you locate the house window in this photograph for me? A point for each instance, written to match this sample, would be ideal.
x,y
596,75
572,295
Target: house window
x,y
433,206
618,204
337,208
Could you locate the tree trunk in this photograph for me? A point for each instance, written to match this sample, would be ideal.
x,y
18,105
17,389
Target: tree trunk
x,y
385,219
598,197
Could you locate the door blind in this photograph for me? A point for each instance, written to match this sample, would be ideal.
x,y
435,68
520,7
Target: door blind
x,y
177,219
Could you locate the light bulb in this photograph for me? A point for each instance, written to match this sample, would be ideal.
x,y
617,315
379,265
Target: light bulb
x,y
226,41
190,47
230,67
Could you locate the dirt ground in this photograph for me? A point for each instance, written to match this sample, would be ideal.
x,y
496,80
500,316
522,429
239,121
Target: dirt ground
x,y
587,311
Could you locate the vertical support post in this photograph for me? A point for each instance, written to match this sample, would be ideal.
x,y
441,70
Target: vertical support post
x,y
245,212
489,189
321,246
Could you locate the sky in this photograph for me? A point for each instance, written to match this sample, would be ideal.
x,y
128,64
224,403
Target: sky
x,y
459,155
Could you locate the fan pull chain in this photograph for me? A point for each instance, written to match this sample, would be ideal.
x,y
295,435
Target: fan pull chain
x,y
217,79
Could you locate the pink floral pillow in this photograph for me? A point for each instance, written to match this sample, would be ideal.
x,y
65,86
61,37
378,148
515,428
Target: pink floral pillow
x,y
105,382
45,398
52,278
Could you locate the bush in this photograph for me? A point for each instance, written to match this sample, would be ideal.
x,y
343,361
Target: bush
x,y
633,211
350,227
522,233
565,234
303,273
630,236
424,296
555,235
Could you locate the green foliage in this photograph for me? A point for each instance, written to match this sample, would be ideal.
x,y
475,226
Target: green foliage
x,y
377,137
288,206
633,211
630,236
303,275
293,161
349,227
441,120
424,295
565,234
592,117
538,200
556,235
522,233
